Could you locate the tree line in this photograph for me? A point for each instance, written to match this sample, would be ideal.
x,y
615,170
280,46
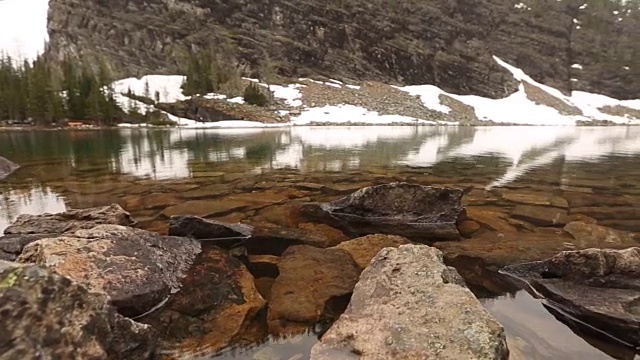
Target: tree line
x,y
44,94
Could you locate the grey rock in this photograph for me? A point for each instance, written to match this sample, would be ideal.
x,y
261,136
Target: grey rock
x,y
420,213
137,269
11,245
598,288
47,316
70,221
7,167
409,305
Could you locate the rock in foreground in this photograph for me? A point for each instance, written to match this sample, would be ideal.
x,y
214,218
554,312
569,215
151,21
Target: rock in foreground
x,y
136,268
597,287
421,213
47,316
7,167
409,305
70,221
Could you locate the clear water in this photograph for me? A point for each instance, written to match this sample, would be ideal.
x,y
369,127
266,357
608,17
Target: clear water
x,y
82,168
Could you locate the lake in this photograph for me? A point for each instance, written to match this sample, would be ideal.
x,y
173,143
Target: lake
x,y
593,172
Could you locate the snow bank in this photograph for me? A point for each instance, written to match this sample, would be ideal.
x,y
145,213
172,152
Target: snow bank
x,y
167,86
345,114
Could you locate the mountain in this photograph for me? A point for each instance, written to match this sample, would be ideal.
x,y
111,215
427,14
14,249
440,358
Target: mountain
x,y
587,45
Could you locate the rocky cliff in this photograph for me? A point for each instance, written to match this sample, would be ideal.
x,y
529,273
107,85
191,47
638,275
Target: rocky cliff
x,y
589,45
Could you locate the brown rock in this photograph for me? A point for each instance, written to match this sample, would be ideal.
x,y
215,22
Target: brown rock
x,y
274,240
468,227
493,220
264,266
586,200
591,235
282,215
205,208
310,279
218,301
530,198
206,192
363,249
47,316
541,216
264,285
609,213
135,268
259,199
70,221
159,200
332,235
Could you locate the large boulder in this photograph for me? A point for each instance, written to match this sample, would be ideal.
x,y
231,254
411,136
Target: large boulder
x,y
70,221
47,316
599,288
421,213
409,305
219,233
137,269
217,303
312,285
7,167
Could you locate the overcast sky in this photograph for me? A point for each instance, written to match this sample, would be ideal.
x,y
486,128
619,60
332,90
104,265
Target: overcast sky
x,y
23,27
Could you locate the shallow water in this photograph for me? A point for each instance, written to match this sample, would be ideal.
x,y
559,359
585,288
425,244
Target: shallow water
x,y
82,168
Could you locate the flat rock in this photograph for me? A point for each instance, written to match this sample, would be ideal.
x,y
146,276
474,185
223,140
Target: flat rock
x,y
7,167
420,213
599,288
70,221
160,200
217,303
591,235
491,218
205,208
274,240
310,280
221,234
535,198
610,213
409,305
541,215
363,249
587,200
47,316
137,269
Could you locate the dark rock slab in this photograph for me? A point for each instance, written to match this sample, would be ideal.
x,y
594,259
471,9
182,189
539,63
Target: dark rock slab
x,y
421,213
219,233
310,280
217,303
70,221
11,245
274,240
599,288
7,167
137,269
47,316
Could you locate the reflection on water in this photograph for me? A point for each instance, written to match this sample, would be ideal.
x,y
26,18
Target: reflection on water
x,y
36,200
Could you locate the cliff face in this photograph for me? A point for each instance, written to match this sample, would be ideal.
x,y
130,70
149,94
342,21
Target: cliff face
x,y
448,43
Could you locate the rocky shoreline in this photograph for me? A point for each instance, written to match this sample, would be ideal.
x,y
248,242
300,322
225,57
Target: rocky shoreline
x,y
208,284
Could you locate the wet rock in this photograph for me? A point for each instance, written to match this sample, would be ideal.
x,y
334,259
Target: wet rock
x,y
587,200
610,213
264,285
205,208
541,215
264,266
363,249
7,167
220,234
310,280
135,268
11,245
420,213
409,305
532,198
160,200
598,287
468,227
274,240
592,234
333,236
491,218
47,316
217,302
282,215
70,221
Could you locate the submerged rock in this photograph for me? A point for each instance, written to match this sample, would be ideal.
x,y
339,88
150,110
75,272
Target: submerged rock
x,y
275,240
217,302
311,281
7,167
70,221
221,234
137,269
600,288
409,305
47,316
421,213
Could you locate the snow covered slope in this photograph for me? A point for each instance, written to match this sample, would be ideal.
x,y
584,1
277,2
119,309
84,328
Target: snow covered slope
x,y
23,28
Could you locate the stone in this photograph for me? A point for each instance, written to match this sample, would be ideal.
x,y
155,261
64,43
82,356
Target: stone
x,y
217,303
47,316
409,305
70,220
420,213
263,266
332,235
160,200
588,200
587,234
491,218
206,192
531,198
205,208
264,285
468,227
310,280
598,287
282,215
274,240
222,234
363,249
541,215
11,245
7,167
259,199
137,269
610,213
